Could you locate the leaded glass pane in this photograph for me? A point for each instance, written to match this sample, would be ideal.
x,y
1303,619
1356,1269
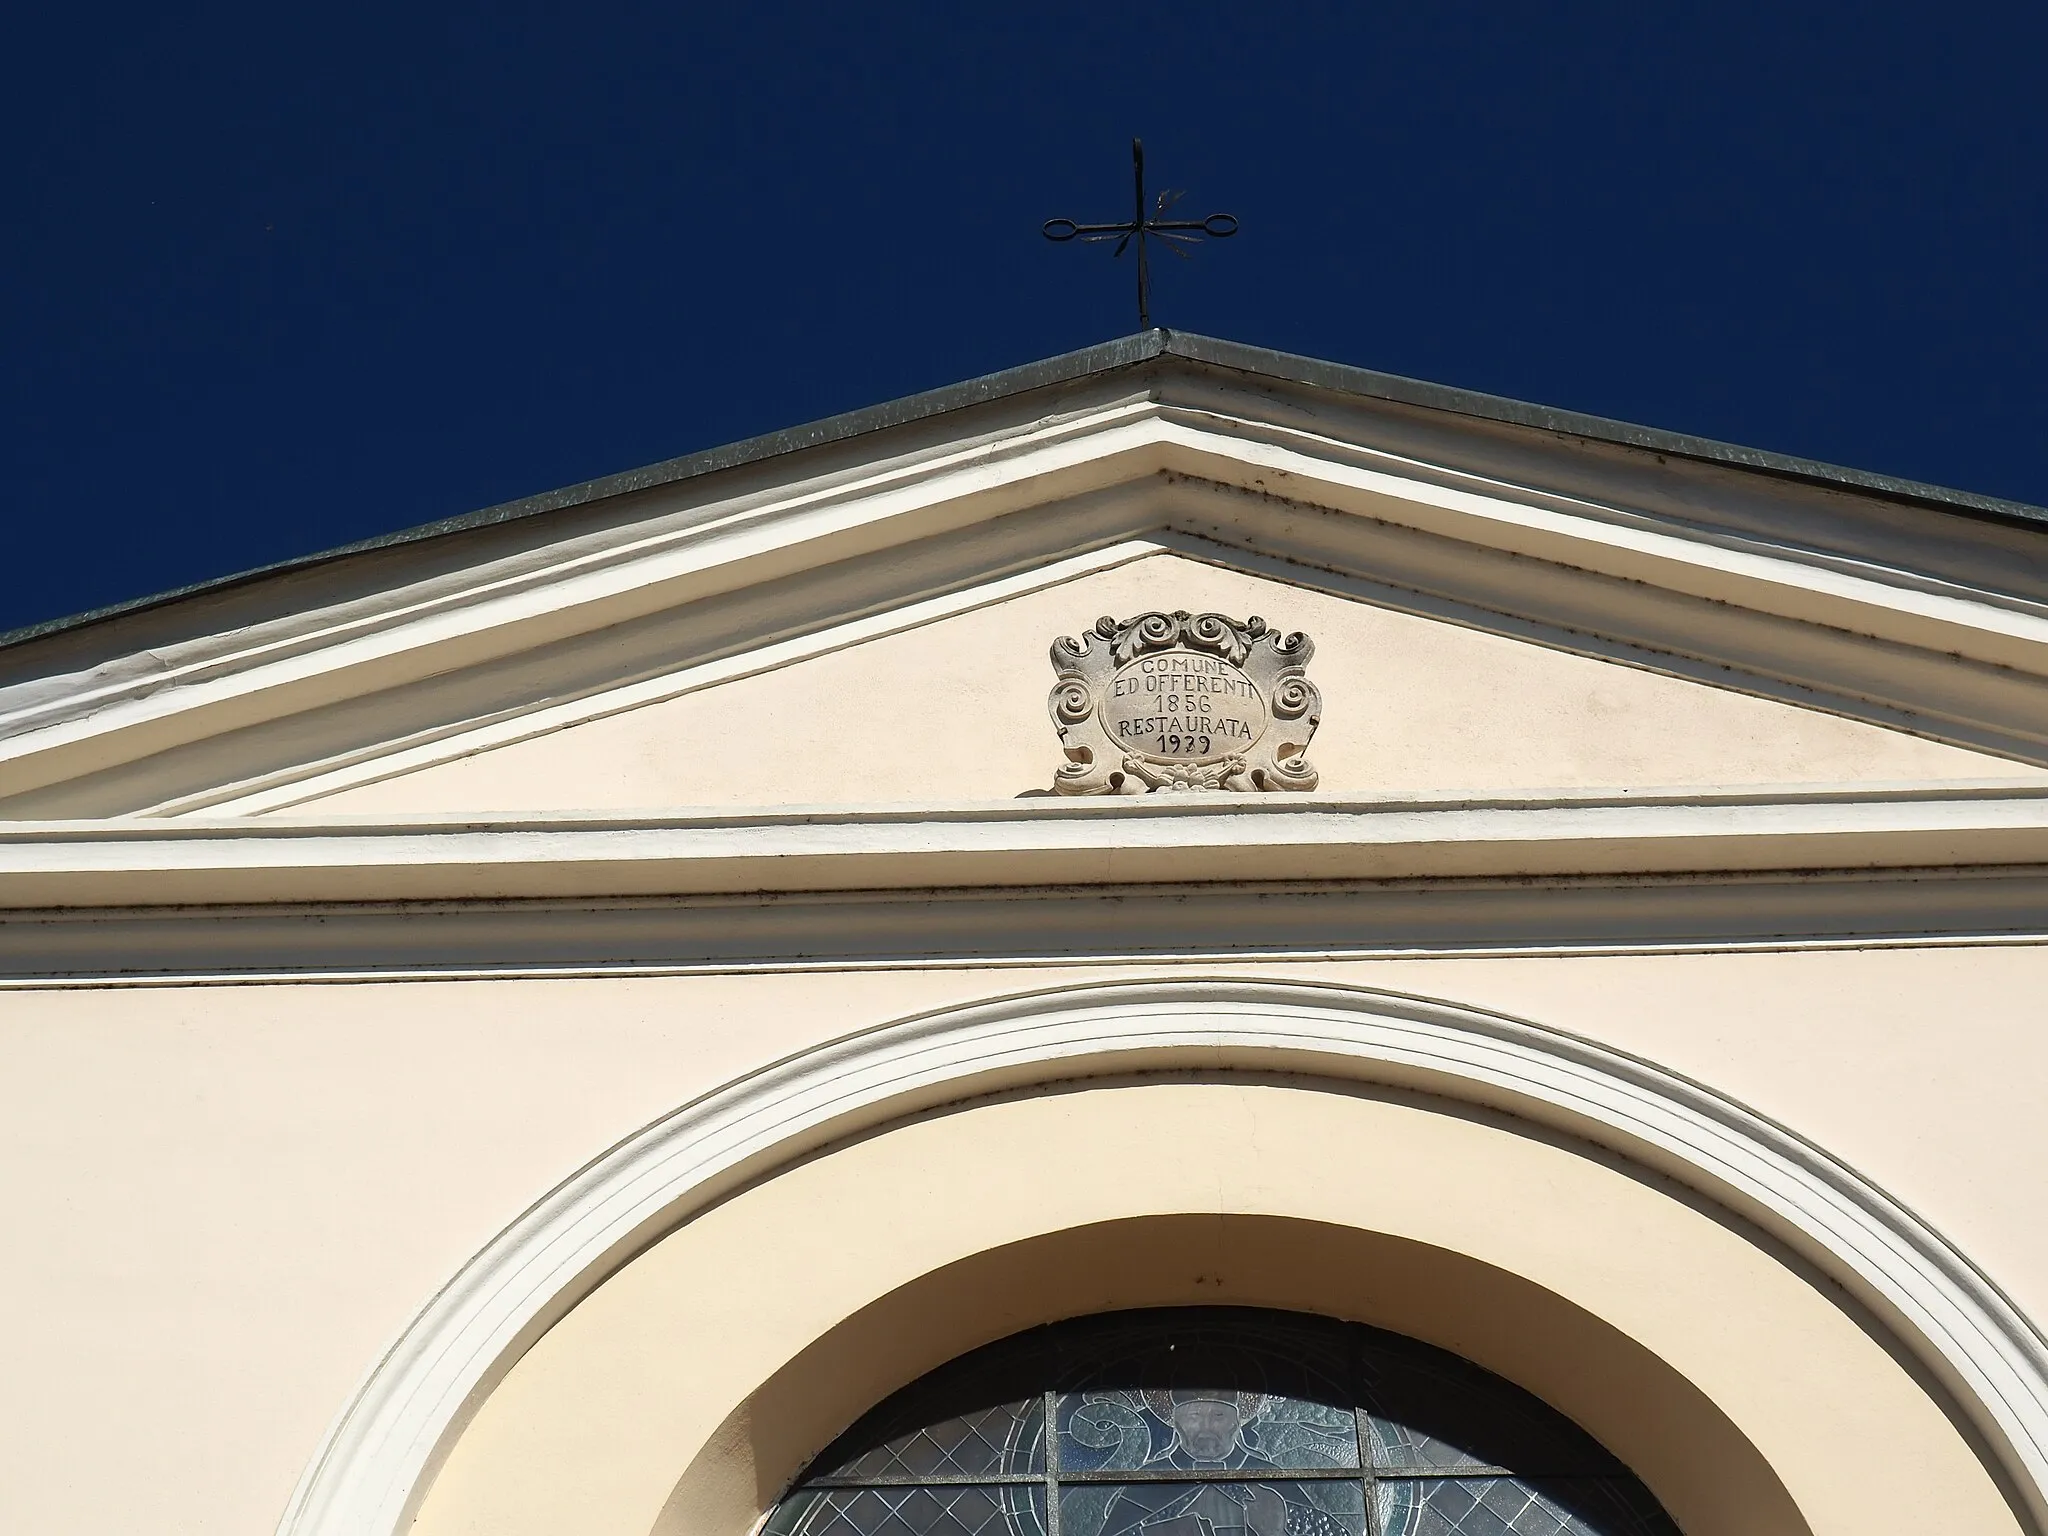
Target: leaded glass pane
x,y
1510,1506
1186,1395
1216,1422
1015,1510
1430,1411
1293,1508
1200,1429
1002,1440
982,1416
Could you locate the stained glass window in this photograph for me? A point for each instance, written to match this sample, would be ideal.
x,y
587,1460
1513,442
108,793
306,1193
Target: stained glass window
x,y
1215,1421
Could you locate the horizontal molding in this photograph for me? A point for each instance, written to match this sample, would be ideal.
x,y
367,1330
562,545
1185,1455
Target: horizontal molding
x,y
1011,928
1163,840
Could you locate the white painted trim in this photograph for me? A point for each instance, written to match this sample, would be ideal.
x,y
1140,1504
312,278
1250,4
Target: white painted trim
x,y
1494,514
381,1455
523,608
581,574
123,982
1046,842
85,947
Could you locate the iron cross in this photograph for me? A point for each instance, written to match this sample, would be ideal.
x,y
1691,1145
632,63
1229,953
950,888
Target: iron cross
x,y
1178,232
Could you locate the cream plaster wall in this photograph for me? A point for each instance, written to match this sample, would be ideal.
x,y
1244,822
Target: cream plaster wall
x,y
225,1201
1411,704
594,1427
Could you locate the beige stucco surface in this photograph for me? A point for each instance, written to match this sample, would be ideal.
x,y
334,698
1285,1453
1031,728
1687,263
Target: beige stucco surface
x,y
225,1201
955,710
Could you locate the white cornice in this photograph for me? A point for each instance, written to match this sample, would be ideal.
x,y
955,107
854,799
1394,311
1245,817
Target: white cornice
x,y
1036,843
1011,928
1967,665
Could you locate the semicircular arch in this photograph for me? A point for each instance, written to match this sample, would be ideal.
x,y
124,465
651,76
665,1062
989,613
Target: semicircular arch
x,y
1943,1313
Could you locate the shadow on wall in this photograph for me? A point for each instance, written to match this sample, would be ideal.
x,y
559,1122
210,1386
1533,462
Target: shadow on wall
x,y
1704,1470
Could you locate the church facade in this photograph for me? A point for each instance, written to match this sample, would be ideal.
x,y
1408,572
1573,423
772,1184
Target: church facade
x,y
1178,940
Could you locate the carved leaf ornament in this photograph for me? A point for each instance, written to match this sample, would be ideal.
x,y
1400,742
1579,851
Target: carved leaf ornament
x,y
1180,701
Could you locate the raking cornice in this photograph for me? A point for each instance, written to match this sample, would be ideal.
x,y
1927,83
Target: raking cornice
x,y
1888,642
1136,354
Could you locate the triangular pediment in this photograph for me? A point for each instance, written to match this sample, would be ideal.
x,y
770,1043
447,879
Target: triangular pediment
x,y
954,709
1498,608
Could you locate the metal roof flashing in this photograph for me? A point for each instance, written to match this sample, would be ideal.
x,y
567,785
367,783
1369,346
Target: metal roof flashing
x,y
1089,363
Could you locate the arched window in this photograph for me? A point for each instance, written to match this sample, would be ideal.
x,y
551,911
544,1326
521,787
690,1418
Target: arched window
x,y
1215,1421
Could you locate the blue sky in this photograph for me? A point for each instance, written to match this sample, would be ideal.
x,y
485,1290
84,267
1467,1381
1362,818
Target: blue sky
x,y
274,279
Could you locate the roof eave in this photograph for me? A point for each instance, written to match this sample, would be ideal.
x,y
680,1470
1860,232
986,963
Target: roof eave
x,y
1097,361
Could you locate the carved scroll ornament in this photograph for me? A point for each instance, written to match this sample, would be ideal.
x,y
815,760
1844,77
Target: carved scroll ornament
x,y
1180,701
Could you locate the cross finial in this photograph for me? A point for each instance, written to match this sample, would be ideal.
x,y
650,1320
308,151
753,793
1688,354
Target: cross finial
x,y
1144,223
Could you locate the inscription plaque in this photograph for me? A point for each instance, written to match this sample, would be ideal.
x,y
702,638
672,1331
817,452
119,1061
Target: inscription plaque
x,y
1180,701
